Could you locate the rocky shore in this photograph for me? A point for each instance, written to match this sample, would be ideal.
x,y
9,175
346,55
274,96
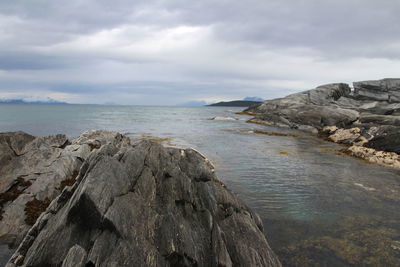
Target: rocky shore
x,y
98,200
367,118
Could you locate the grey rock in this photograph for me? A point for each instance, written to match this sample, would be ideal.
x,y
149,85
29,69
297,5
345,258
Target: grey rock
x,y
97,138
385,138
314,108
368,106
381,108
34,169
382,90
373,108
322,95
311,115
327,94
146,205
380,119
75,258
11,146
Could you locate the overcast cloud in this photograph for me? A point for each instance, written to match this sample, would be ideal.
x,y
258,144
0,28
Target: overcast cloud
x,y
175,51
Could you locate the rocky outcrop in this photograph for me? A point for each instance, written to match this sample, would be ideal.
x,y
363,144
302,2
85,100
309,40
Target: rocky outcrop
x,y
379,119
146,205
310,110
34,170
381,90
369,116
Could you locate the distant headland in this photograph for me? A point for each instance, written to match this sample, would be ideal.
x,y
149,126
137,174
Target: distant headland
x,y
25,102
246,102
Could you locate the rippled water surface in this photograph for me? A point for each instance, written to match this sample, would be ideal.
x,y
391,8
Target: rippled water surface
x,y
319,207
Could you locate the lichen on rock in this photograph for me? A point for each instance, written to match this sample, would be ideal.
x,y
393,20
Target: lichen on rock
x,y
37,169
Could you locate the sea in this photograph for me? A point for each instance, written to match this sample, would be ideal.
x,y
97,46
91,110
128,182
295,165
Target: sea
x,y
319,206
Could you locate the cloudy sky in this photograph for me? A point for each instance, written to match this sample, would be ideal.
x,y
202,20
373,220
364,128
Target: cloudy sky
x,y
174,51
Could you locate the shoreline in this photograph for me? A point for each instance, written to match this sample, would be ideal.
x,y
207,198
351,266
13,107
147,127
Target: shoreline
x,y
370,155
361,119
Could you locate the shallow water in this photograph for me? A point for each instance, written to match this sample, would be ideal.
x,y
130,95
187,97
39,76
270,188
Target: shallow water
x,y
319,208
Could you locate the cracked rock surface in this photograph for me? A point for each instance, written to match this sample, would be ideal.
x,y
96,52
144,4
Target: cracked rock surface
x,y
33,171
311,110
146,205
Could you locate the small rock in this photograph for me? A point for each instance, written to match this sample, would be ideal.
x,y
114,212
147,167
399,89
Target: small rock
x,y
345,136
329,129
223,119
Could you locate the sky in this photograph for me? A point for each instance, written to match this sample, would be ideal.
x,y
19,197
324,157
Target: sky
x,y
169,52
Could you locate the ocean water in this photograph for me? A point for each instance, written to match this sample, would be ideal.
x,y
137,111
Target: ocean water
x,y
319,207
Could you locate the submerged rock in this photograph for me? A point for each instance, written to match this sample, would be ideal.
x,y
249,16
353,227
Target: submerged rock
x,y
34,170
223,119
146,205
355,240
379,157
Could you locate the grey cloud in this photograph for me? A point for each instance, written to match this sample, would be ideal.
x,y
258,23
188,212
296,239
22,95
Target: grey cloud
x,y
324,25
335,26
329,35
13,60
320,24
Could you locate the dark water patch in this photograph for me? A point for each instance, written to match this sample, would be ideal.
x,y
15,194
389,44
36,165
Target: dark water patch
x,y
351,241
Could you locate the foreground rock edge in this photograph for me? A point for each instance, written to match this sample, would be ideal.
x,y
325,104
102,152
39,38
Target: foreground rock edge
x,y
232,234
34,170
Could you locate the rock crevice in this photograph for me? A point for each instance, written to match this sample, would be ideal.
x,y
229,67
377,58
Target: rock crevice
x,y
34,170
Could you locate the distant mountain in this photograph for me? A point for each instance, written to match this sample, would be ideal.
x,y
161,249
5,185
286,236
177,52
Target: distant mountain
x,y
235,103
24,102
253,98
110,104
194,104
